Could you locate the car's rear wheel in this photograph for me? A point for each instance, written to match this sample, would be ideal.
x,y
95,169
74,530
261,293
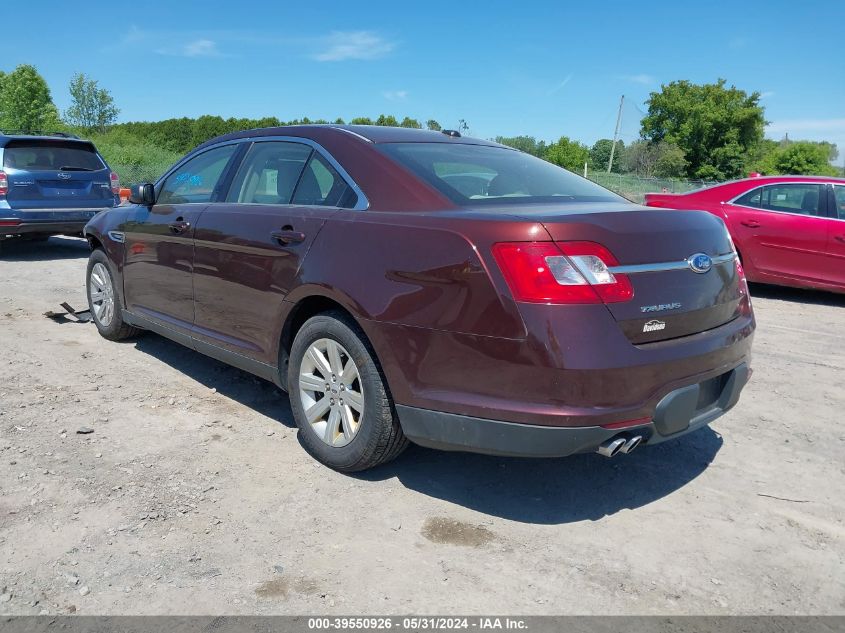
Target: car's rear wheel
x,y
103,300
339,397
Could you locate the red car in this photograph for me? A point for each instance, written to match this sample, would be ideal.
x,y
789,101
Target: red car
x,y
418,285
788,230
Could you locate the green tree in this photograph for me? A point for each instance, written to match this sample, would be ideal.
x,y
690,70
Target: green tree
x,y
387,119
361,120
717,128
91,107
800,158
25,102
600,155
568,154
650,160
412,123
431,124
527,144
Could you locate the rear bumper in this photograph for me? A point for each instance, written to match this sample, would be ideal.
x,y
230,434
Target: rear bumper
x,y
47,221
679,412
53,228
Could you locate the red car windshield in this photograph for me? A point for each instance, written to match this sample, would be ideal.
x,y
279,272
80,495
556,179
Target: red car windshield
x,y
483,174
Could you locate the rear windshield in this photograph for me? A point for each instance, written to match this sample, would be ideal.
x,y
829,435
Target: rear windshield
x,y
479,174
51,155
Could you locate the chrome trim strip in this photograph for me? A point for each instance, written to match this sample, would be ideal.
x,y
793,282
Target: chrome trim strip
x,y
117,236
361,136
636,269
362,205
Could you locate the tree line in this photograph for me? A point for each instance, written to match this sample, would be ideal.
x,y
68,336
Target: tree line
x,y
694,131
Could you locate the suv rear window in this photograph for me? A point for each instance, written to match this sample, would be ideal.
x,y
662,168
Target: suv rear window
x,y
51,155
483,174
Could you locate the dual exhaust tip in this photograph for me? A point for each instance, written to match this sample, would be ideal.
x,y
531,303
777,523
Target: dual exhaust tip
x,y
619,444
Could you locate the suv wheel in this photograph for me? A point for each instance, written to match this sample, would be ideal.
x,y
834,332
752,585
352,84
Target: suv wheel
x,y
339,398
103,301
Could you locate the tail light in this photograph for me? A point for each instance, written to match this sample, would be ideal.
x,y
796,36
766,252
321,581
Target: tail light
x,y
745,295
4,183
561,272
115,183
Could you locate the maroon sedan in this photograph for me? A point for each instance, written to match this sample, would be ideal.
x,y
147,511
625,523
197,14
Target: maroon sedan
x,y
416,285
789,230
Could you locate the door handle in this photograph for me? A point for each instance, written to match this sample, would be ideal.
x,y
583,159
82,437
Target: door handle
x,y
839,238
752,224
179,226
288,236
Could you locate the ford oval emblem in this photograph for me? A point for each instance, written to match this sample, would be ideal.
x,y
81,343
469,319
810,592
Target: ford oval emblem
x,y
699,263
63,175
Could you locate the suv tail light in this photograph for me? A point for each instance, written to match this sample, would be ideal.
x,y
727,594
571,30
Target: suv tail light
x,y
561,272
4,183
115,183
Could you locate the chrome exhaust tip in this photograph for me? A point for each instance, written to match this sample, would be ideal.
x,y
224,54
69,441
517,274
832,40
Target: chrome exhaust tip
x,y
611,447
632,444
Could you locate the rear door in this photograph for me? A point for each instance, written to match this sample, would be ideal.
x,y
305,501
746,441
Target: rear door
x,y
249,248
783,230
159,240
58,179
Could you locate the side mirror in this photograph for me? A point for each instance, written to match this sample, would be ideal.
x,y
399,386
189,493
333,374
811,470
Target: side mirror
x,y
142,194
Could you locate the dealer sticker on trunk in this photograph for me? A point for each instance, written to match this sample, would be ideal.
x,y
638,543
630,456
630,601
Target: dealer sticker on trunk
x,y
654,326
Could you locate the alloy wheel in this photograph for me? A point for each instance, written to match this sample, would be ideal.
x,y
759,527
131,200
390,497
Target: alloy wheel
x,y
331,392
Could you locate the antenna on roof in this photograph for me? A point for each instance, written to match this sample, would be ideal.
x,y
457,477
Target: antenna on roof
x,y
452,133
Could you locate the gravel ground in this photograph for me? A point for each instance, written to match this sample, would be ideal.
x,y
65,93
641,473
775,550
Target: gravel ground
x,y
192,495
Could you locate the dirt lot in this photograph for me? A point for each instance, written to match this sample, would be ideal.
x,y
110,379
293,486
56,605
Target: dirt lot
x,y
192,494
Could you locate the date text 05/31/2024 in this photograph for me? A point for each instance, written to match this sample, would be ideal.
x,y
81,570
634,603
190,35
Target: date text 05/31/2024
x,y
432,623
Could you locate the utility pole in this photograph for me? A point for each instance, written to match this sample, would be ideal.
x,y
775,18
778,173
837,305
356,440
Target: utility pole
x,y
615,134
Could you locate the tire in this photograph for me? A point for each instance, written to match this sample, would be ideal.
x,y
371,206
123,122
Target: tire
x,y
110,324
377,437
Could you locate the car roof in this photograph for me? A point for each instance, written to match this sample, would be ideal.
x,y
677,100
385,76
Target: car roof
x,y
366,133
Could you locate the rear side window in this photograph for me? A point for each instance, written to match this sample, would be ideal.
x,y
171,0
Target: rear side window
x,y
802,199
48,155
750,199
321,185
196,180
269,173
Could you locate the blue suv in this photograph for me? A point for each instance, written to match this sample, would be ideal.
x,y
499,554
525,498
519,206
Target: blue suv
x,y
52,185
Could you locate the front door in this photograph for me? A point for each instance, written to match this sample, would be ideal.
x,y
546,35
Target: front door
x,y
836,237
249,249
159,241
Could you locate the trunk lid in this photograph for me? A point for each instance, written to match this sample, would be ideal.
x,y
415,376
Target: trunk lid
x,y
670,299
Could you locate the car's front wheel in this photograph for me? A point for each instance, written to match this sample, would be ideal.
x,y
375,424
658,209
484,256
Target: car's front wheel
x,y
339,398
103,300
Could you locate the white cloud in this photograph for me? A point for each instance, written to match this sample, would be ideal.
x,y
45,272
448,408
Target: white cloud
x,y
831,130
395,95
342,45
201,47
642,79
767,94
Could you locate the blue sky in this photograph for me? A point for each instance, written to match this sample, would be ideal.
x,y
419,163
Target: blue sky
x,y
544,69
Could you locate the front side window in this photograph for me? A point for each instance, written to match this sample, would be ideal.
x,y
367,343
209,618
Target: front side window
x,y
269,173
801,199
196,180
321,185
482,174
839,199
